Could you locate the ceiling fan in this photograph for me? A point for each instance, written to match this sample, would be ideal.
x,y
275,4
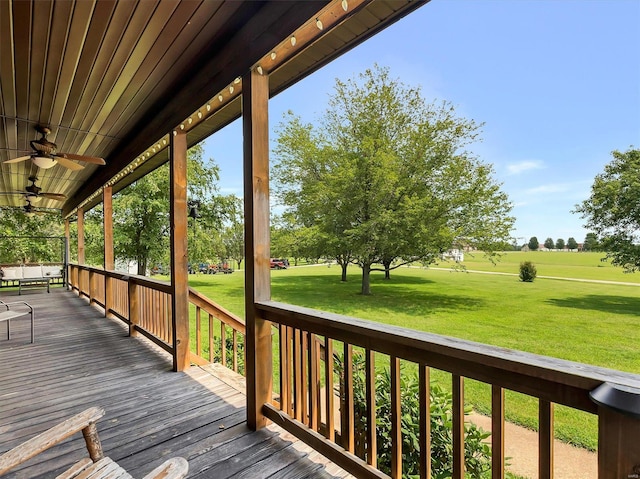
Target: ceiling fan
x,y
46,155
31,210
34,193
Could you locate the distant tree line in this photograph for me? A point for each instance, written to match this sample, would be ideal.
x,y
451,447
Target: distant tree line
x,y
590,243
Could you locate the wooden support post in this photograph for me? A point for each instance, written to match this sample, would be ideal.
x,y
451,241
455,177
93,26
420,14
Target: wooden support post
x,y
255,125
109,263
179,257
618,445
67,253
80,236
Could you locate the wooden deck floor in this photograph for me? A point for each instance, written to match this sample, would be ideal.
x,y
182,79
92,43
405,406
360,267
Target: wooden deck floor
x,y
81,359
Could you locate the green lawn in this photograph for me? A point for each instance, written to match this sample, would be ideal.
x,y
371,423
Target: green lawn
x,y
578,321
553,263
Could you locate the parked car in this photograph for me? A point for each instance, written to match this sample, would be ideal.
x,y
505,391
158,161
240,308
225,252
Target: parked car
x,y
278,263
224,268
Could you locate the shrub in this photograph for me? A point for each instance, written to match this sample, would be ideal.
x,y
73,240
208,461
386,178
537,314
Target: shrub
x,y
527,272
477,451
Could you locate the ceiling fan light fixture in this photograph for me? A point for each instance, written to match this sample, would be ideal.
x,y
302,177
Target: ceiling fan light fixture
x,y
33,198
44,162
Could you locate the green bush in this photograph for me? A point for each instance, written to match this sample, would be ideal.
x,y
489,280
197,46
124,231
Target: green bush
x,y
527,272
477,451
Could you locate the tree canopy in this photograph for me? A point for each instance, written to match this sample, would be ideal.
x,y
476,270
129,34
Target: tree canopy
x,y
612,211
386,176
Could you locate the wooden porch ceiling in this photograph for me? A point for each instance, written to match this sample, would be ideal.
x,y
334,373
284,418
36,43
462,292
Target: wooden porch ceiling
x,y
113,79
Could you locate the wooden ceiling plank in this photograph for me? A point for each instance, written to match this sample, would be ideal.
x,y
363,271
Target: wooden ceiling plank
x,y
57,30
22,51
78,29
162,68
102,73
117,47
37,58
142,47
80,97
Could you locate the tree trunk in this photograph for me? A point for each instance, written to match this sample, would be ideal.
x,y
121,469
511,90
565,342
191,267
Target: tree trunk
x,y
366,272
387,271
344,266
239,262
142,266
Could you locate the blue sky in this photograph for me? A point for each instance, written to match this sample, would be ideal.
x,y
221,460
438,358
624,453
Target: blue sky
x,y
555,82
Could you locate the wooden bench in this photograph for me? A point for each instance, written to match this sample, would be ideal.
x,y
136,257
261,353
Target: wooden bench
x,y
96,466
8,312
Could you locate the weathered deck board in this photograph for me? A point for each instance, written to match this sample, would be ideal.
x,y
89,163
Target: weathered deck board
x,y
81,359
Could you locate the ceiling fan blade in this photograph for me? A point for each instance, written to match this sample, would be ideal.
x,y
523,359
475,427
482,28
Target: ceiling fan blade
x,y
17,160
87,159
68,163
54,196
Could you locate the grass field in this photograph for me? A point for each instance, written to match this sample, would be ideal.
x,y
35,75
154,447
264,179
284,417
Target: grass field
x,y
579,321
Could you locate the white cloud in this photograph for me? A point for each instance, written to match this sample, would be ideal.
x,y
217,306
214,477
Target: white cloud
x,y
517,168
550,188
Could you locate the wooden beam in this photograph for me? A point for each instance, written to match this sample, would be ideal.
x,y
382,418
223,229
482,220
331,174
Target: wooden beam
x,y
255,122
178,226
80,236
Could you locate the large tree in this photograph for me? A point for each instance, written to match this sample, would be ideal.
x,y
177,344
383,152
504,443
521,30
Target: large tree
x,y
612,210
572,243
533,243
385,176
591,242
24,237
141,214
548,243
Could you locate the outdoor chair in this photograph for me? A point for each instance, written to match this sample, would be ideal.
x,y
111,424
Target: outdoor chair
x,y
96,466
14,310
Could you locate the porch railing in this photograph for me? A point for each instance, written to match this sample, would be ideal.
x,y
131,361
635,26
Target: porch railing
x,y
145,305
308,340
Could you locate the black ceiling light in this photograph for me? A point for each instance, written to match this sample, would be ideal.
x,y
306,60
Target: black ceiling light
x,y
193,208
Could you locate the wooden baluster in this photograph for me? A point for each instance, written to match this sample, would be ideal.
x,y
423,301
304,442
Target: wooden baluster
x,y
497,432
545,440
297,374
211,342
235,349
458,426
424,386
198,332
314,385
304,377
348,441
290,372
372,447
223,344
285,372
396,412
328,386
